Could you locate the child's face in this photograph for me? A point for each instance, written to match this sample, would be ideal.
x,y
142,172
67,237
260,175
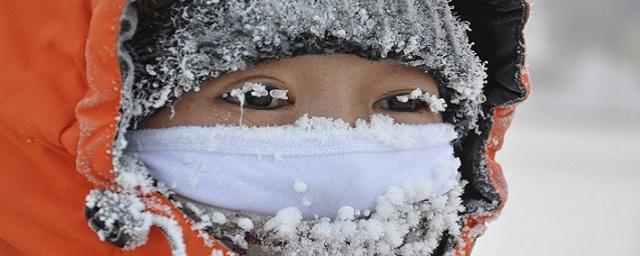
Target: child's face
x,y
338,86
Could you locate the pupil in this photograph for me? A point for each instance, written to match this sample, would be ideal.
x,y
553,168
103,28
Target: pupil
x,y
257,101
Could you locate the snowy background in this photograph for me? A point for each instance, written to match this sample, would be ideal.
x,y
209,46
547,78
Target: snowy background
x,y
572,156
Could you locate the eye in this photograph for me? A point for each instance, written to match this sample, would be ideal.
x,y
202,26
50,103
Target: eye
x,y
260,96
400,103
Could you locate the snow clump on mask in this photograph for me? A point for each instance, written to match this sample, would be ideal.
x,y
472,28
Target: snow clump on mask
x,y
407,220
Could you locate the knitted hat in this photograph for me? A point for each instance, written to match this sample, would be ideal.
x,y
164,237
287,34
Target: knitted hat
x,y
184,43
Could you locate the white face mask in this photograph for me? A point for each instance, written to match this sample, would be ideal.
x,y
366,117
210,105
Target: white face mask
x,y
317,165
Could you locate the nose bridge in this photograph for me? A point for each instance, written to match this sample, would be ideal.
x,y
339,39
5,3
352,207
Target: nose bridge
x,y
334,106
337,100
335,87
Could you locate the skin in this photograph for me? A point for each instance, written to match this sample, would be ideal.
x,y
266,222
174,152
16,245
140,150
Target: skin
x,y
338,85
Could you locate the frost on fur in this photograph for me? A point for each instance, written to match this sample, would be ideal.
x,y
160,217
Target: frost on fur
x,y
118,218
122,219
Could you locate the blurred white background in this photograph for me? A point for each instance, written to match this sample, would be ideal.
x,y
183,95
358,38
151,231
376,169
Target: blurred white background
x,y
572,155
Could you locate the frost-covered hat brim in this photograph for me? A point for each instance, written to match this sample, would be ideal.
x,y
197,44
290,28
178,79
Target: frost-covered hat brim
x,y
179,47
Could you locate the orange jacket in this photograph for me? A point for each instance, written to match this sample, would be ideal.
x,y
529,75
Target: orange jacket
x,y
58,106
59,99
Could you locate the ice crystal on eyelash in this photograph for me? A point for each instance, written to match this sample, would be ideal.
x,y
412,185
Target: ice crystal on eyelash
x,y
256,90
238,93
279,94
403,98
436,104
415,93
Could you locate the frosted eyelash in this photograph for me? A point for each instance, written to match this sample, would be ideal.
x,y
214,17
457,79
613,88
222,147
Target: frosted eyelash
x,y
257,90
436,104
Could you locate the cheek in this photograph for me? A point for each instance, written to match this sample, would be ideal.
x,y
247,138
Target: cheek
x,y
221,117
267,117
190,111
415,118
221,112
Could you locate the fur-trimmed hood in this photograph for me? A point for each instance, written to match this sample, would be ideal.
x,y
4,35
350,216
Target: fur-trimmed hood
x,y
62,110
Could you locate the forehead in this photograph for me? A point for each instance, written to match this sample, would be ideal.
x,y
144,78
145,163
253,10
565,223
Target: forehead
x,y
345,69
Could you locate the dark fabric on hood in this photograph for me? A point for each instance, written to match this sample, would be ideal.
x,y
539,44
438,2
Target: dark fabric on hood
x,y
496,30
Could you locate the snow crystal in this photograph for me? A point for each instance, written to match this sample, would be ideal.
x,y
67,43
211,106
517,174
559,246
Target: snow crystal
x,y
173,232
256,89
136,177
306,202
239,240
395,195
346,213
300,186
415,93
322,230
218,217
245,224
321,123
285,223
216,252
